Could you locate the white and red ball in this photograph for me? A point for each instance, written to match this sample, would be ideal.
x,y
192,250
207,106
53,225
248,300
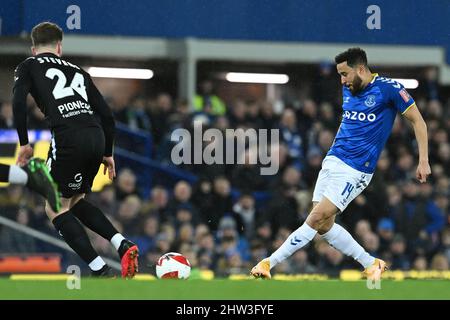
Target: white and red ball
x,y
173,265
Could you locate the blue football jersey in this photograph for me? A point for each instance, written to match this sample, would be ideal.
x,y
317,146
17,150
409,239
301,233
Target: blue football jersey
x,y
367,122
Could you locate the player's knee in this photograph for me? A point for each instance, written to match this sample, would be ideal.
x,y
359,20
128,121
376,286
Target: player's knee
x,y
74,200
325,226
316,219
52,214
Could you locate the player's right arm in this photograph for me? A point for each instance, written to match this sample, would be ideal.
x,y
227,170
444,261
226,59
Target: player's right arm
x,y
102,109
22,85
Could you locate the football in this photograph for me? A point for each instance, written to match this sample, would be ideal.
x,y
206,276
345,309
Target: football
x,y
173,265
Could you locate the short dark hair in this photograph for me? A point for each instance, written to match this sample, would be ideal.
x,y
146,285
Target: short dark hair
x,y
46,33
353,56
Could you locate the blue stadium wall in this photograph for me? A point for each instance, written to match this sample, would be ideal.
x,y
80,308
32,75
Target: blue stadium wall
x,y
405,22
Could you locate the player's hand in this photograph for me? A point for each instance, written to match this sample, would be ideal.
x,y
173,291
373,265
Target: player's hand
x,y
108,162
25,153
423,171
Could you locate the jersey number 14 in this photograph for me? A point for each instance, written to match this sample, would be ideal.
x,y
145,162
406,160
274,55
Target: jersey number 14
x,y
60,90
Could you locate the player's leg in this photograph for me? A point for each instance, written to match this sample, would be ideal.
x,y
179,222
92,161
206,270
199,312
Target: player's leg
x,y
36,177
321,212
343,241
93,218
304,234
13,174
328,200
345,185
76,237
92,150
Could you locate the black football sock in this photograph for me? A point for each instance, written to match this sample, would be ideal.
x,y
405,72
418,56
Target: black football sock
x,y
93,218
74,234
4,173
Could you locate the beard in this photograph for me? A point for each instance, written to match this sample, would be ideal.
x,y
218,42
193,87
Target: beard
x,y
356,85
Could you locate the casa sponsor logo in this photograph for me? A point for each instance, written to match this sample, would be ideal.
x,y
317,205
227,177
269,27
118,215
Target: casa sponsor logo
x,y
360,116
78,178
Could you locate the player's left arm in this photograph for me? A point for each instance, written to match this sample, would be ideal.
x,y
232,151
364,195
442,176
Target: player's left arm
x,y
406,105
420,131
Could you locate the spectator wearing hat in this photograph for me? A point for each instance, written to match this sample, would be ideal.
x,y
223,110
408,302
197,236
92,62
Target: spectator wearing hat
x,y
227,232
385,230
290,135
314,158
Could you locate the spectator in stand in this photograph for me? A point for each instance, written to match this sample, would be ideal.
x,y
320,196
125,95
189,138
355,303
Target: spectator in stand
x,y
6,116
420,263
385,232
136,115
125,184
300,263
238,116
314,159
247,177
267,115
290,135
245,215
128,214
222,202
332,262
400,260
158,203
105,200
327,117
429,85
146,236
207,101
417,219
282,210
440,263
182,193
159,112
324,86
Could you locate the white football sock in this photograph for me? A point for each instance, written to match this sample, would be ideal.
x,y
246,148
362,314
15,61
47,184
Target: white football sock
x,y
116,240
96,264
17,175
342,240
296,240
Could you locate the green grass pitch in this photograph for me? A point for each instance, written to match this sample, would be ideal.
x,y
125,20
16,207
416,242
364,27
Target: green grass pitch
x,y
223,290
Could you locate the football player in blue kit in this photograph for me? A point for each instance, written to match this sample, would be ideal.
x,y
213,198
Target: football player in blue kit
x,y
370,105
